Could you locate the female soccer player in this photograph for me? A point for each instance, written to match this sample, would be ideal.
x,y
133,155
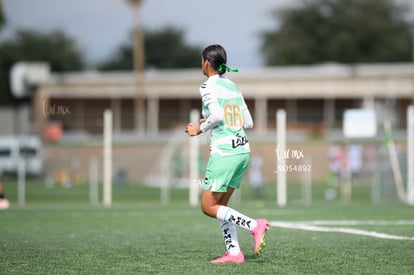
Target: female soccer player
x,y
225,114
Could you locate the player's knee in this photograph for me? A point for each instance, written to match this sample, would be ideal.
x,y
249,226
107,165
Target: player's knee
x,y
207,210
204,209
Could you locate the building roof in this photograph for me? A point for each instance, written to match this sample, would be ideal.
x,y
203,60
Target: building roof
x,y
315,81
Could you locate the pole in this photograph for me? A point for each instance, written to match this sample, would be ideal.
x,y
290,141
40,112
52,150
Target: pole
x,y
410,152
346,177
107,161
306,179
21,185
165,182
394,162
93,181
281,158
194,146
410,134
139,64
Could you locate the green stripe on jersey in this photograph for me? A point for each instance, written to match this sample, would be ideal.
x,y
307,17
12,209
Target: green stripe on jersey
x,y
228,85
232,101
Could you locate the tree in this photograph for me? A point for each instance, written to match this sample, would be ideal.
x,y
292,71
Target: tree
x,y
121,60
344,31
56,48
163,49
2,18
166,49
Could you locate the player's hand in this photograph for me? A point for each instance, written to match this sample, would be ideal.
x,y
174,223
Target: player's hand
x,y
192,129
202,120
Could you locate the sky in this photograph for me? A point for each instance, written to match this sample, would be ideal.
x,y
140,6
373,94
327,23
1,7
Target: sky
x,y
100,26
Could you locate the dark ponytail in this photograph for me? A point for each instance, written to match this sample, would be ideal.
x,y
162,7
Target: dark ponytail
x,y
217,57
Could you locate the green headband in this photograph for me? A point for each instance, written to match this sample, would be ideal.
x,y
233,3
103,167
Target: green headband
x,y
226,68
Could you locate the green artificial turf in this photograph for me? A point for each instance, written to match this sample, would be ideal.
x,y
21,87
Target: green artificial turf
x,y
58,232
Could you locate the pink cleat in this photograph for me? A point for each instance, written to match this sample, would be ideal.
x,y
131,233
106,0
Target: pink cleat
x,y
259,235
4,203
227,258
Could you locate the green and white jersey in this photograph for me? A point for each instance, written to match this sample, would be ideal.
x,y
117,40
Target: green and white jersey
x,y
227,115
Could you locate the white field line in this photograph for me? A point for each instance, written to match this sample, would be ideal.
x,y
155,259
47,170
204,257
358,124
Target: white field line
x,y
357,222
310,227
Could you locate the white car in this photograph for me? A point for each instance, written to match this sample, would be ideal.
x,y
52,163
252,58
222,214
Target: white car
x,y
26,148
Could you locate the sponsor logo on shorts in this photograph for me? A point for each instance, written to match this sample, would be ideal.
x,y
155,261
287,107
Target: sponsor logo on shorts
x,y
215,184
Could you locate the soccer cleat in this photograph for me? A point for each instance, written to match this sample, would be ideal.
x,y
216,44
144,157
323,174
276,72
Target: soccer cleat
x,y
228,258
4,203
259,235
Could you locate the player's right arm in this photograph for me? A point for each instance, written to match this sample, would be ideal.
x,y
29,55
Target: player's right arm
x,y
216,112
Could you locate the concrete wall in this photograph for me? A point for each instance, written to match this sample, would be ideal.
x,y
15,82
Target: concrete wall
x,y
141,160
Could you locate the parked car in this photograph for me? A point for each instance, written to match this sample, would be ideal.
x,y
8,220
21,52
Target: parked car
x,y
26,148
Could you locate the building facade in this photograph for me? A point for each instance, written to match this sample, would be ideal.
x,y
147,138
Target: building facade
x,y
314,97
